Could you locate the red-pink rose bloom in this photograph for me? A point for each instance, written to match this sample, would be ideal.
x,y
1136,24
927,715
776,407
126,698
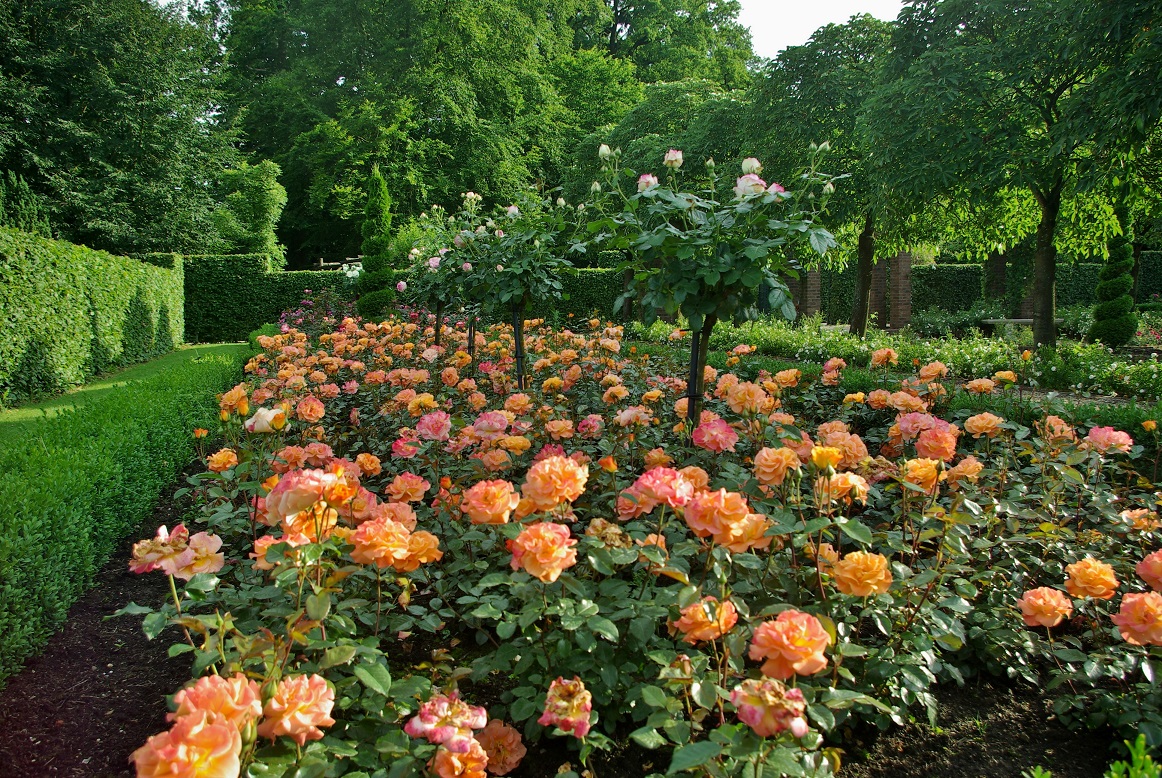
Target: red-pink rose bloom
x,y
299,707
664,485
434,426
715,435
567,706
167,551
591,427
768,707
405,448
1044,607
200,745
448,721
1150,570
503,745
1105,439
544,550
236,699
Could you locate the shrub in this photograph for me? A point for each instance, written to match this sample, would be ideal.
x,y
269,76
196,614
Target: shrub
x,y
20,208
228,295
1114,321
253,205
1149,275
376,305
91,477
950,287
70,312
376,227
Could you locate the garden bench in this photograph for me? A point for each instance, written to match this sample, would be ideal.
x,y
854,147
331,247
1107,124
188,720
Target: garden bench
x,y
988,326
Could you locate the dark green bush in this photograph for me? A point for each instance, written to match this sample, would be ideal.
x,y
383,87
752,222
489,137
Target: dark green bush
x,y
69,312
1114,320
591,292
379,279
376,305
1075,283
228,295
1149,276
74,489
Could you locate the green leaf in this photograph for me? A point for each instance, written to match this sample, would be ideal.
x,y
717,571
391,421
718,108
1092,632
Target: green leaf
x,y
604,627
319,606
648,737
1070,655
693,755
339,655
654,697
857,531
375,677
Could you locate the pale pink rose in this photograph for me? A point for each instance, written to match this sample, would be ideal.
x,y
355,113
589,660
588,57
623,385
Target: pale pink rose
x,y
1104,439
749,186
447,721
646,181
206,557
434,426
768,707
673,159
433,263
751,166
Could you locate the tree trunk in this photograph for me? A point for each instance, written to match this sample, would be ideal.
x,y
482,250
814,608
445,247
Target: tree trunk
x,y
518,336
696,386
1045,268
865,260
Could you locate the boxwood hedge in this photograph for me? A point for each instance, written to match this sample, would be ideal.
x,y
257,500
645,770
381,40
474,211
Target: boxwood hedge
x,y
69,312
73,489
228,295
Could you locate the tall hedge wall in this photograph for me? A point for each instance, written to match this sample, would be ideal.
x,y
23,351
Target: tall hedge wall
x,y
229,295
951,287
69,312
1149,276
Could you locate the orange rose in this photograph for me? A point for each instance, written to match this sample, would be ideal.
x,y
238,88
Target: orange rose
x,y
198,746
878,399
490,502
559,429
986,424
382,542
771,465
932,371
657,457
697,477
222,461
924,473
1150,570
1008,376
423,547
745,535
543,550
408,487
862,574
968,469
298,708
938,443
792,644
713,513
1044,607
236,700
980,386
705,620
503,745
554,480
747,398
1091,578
844,487
1140,619
368,464
310,409
788,379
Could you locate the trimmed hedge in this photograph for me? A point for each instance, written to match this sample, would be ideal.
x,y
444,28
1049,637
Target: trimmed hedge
x,y
86,478
953,288
591,291
229,295
69,312
1149,276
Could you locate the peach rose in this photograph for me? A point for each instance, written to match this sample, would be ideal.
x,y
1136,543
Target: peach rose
x,y
408,487
199,745
792,644
862,574
368,464
1056,431
381,542
657,457
705,620
1044,607
771,465
713,513
310,409
236,700
1150,570
299,707
663,485
788,379
924,473
980,386
882,357
1140,619
543,550
745,535
841,487
503,745
559,429
697,477
222,461
1091,578
986,424
490,502
967,469
878,399
554,480
933,371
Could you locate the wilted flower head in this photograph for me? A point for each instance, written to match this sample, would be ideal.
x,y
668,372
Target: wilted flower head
x,y
768,707
448,721
567,706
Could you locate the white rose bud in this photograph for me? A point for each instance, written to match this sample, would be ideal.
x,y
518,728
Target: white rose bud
x,y
604,152
750,166
595,187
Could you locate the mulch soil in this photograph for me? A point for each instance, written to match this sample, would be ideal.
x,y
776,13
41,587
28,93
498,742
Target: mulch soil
x,y
98,692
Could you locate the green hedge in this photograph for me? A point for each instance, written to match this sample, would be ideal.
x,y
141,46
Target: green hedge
x,y
228,295
837,294
1076,283
1149,277
74,489
69,312
953,288
591,291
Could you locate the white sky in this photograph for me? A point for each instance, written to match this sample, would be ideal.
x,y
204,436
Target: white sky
x,y
777,24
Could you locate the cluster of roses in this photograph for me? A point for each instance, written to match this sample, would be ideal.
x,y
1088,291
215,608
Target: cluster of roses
x,y
216,718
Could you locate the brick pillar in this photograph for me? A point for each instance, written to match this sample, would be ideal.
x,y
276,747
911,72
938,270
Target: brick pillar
x,y
994,276
812,293
879,295
795,289
900,290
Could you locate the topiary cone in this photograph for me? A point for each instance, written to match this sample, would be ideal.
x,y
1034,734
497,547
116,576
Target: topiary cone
x,y
1115,321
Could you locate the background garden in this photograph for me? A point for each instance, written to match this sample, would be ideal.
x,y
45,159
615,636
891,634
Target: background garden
x,y
844,362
